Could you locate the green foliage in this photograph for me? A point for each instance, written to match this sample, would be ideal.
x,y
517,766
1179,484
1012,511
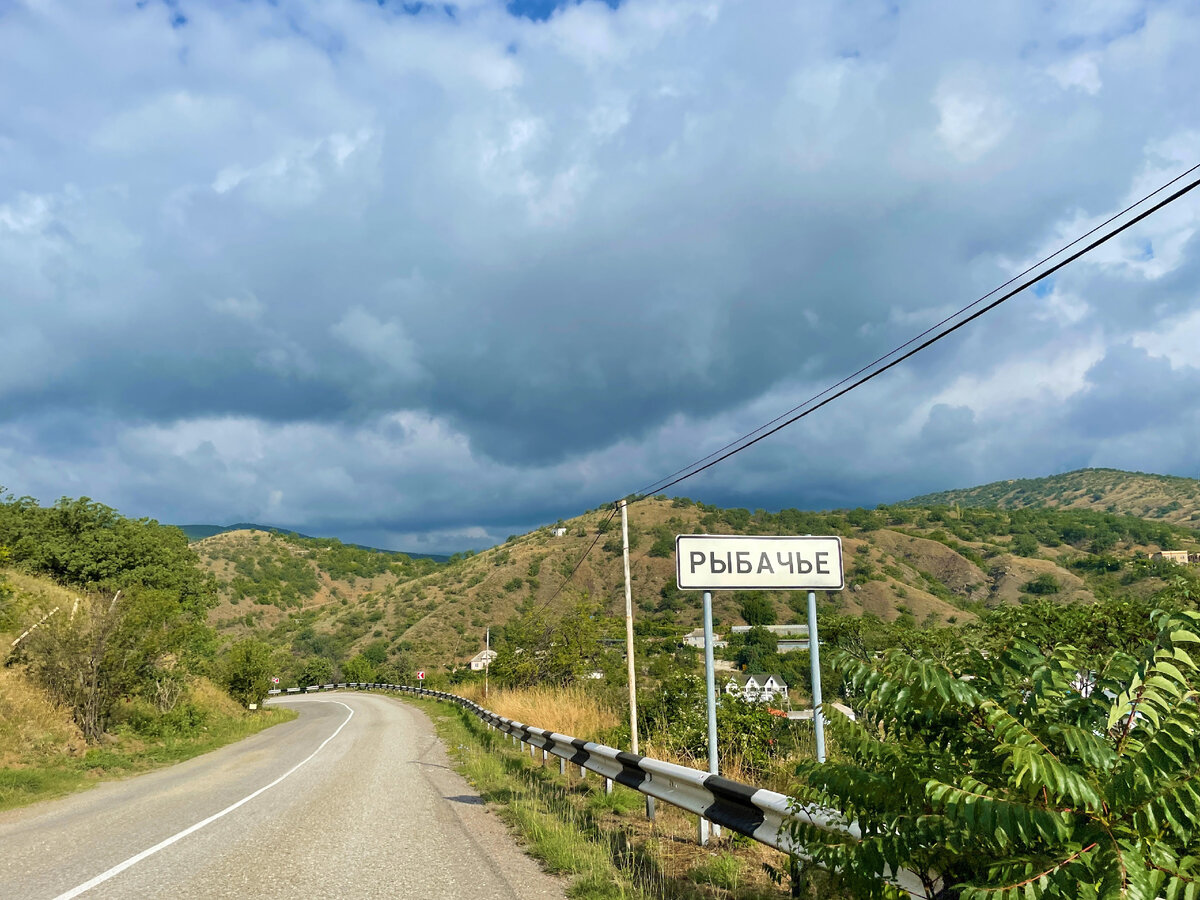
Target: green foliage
x,y
359,669
755,650
532,649
316,670
7,610
756,607
663,544
1029,771
102,649
674,716
91,546
139,623
1042,584
247,670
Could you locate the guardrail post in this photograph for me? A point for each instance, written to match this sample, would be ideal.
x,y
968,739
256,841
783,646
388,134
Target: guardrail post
x,y
562,765
608,785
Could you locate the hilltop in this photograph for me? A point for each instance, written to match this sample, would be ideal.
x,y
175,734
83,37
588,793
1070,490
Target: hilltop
x,y
1166,497
200,532
921,564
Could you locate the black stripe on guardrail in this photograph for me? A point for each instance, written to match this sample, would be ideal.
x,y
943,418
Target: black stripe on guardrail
x,y
733,807
632,774
581,755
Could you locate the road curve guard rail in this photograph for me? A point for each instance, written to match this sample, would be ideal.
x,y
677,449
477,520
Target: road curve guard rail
x,y
754,812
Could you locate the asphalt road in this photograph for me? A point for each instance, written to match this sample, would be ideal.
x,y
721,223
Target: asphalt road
x,y
355,798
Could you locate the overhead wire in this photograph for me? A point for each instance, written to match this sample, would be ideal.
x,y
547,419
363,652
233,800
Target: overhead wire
x,y
600,531
753,437
783,420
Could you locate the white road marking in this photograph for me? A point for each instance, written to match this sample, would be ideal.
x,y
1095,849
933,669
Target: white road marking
x,y
134,860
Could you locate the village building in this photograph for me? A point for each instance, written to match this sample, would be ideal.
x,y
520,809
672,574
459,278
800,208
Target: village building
x,y
482,660
695,638
758,688
1179,557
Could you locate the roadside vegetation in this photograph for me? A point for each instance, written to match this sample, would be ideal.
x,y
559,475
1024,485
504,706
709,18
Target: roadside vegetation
x,y
109,665
1024,681
603,843
43,753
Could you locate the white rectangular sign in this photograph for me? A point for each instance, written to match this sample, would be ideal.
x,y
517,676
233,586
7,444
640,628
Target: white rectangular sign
x,y
732,562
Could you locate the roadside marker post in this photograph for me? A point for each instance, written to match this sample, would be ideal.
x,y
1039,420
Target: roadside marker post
x,y
712,562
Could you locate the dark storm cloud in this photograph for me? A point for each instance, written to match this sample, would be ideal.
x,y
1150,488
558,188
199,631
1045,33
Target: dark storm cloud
x,y
428,277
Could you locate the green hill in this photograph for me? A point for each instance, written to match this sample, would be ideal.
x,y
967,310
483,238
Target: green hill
x,y
921,564
1166,497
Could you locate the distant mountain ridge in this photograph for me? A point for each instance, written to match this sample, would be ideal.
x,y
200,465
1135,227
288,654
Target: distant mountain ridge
x,y
1167,498
200,532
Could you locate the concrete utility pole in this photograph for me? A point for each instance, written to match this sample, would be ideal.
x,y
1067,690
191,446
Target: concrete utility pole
x,y
633,729
629,665
487,659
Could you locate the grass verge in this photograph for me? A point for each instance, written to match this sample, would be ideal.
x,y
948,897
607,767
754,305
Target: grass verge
x,y
138,745
601,842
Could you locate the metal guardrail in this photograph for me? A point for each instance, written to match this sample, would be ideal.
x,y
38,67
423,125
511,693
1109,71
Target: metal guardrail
x,y
754,812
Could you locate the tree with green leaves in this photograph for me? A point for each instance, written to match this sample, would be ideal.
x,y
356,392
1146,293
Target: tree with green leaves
x,y
536,650
316,670
1022,773
247,670
358,669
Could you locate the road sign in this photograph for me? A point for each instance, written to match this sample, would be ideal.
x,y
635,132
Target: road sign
x,y
421,674
734,562
275,679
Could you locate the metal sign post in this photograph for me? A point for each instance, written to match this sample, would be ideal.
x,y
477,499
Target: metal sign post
x,y
711,562
814,658
710,696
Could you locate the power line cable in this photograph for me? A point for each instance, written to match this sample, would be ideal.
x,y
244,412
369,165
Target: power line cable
x,y
652,489
745,441
758,434
600,531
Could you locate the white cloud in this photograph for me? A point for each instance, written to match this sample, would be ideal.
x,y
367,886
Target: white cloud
x,y
972,120
1177,339
341,264
1080,72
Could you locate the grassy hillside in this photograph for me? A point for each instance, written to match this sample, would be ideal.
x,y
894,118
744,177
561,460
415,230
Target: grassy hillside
x,y
925,564
1165,497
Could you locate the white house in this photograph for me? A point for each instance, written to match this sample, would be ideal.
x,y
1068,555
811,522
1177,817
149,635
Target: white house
x,y
758,688
695,638
559,531
482,660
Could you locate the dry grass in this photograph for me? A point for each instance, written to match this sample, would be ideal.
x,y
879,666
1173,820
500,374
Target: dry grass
x,y
32,725
208,696
568,710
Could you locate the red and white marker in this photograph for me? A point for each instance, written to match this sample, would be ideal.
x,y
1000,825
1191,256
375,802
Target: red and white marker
x,y
421,674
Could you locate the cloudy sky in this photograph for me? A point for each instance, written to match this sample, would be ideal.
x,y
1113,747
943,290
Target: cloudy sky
x,y
422,276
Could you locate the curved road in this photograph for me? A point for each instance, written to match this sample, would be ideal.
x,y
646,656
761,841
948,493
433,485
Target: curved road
x,y
355,798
